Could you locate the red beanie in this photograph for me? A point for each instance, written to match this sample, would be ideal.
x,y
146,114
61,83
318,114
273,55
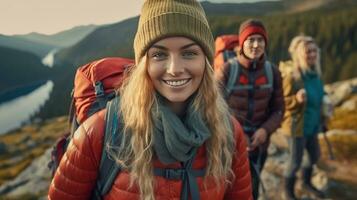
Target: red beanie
x,y
250,27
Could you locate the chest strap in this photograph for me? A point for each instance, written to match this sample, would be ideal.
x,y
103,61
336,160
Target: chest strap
x,y
188,177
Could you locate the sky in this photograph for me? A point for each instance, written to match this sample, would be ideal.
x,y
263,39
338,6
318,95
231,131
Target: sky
x,y
52,16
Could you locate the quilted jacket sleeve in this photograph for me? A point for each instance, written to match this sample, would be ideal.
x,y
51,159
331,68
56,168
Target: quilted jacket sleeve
x,y
290,89
76,175
241,187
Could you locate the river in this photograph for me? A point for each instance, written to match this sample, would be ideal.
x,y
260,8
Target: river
x,y
18,110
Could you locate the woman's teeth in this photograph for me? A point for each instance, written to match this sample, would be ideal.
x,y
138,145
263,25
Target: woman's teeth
x,y
177,83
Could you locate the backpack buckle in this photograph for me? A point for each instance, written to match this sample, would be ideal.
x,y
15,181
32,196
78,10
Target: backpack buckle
x,y
99,90
174,174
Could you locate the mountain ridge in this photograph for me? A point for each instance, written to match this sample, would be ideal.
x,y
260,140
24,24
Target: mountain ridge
x,y
22,44
63,38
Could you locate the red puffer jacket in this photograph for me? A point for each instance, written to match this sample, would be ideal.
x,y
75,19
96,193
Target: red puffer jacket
x,y
77,173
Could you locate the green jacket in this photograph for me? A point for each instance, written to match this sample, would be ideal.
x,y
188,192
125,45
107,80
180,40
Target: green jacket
x,y
293,120
313,118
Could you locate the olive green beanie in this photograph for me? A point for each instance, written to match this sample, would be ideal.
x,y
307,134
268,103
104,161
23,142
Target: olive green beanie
x,y
164,18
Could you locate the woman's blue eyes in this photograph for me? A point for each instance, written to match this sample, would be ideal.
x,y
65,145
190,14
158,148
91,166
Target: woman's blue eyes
x,y
184,54
159,55
189,54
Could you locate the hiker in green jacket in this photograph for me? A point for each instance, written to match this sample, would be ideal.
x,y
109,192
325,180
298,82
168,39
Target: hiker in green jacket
x,y
303,94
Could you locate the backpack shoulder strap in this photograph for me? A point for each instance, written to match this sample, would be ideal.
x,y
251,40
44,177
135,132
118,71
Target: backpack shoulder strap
x,y
108,169
233,74
269,73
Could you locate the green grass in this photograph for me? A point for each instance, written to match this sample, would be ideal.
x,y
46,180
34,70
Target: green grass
x,y
43,135
22,197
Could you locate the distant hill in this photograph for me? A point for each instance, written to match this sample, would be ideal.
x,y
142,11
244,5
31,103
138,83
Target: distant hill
x,y
236,7
295,6
111,40
62,39
243,9
320,21
38,48
19,68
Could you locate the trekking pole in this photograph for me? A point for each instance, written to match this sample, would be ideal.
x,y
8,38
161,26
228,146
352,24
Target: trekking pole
x,y
259,164
256,168
329,146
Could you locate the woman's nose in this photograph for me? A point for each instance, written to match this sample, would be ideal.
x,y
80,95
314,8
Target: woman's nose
x,y
174,66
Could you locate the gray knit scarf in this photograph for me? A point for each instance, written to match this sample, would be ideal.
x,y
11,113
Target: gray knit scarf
x,y
175,139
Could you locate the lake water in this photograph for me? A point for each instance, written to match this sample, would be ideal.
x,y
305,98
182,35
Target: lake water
x,y
15,112
49,59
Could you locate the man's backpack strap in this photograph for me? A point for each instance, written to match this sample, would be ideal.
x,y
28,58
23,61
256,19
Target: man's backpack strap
x,y
269,74
233,74
228,54
108,169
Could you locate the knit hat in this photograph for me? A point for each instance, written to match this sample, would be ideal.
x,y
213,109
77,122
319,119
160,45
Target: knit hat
x,y
164,18
250,27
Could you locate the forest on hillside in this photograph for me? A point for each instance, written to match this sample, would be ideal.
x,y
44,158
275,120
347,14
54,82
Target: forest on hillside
x,y
19,68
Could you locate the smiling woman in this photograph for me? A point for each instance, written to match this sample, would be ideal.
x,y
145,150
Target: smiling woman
x,y
176,67
178,138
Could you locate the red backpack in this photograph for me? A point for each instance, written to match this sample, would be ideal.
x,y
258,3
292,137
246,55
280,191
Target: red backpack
x,y
94,86
224,46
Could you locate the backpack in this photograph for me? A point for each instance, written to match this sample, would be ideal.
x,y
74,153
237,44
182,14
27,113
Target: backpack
x,y
94,91
224,49
94,85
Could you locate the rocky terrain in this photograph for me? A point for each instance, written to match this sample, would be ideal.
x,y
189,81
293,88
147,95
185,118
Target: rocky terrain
x,y
336,177
25,153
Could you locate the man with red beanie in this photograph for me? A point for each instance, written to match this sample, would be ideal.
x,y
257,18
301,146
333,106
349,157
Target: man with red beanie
x,y
253,87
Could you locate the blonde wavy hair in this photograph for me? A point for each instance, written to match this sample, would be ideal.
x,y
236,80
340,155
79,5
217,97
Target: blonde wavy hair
x,y
297,50
137,99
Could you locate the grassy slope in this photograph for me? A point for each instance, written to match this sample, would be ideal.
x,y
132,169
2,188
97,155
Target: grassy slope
x,y
27,143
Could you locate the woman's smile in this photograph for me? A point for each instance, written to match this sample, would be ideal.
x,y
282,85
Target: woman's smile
x,y
177,83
